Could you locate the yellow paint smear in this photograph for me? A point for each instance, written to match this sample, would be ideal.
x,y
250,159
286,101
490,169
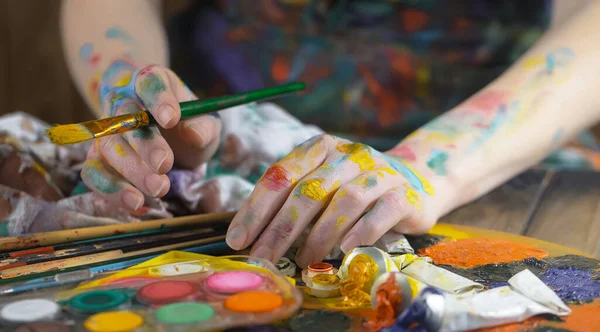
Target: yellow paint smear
x,y
313,189
341,220
413,198
449,231
120,150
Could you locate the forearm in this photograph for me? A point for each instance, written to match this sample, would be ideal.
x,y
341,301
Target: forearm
x,y
546,98
104,40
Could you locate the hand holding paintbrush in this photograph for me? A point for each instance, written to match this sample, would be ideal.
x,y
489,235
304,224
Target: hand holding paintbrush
x,y
123,168
80,132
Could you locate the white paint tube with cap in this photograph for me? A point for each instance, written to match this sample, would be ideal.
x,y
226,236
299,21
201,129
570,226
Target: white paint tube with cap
x,y
450,282
436,311
394,244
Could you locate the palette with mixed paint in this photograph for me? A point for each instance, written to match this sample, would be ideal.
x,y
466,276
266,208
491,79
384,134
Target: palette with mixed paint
x,y
173,292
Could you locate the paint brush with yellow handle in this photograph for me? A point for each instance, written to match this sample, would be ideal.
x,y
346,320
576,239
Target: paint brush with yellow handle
x,y
80,132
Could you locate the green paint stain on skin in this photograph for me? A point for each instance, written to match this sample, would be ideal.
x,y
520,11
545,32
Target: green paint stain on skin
x,y
437,162
102,181
249,219
143,134
150,87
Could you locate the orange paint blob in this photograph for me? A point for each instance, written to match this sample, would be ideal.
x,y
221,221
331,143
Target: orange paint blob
x,y
388,297
254,302
474,252
280,69
583,318
275,178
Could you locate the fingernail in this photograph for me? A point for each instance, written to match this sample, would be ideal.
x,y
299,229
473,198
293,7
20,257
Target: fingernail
x,y
166,113
236,237
157,157
155,184
263,252
132,200
349,243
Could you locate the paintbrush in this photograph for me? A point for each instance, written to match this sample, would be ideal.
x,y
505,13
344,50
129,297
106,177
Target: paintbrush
x,y
107,256
78,234
101,246
80,132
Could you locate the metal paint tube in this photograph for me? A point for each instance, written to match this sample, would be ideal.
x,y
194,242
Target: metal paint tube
x,y
434,310
403,285
443,279
394,244
381,258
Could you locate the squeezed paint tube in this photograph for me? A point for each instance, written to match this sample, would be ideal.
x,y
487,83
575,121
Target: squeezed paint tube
x,y
381,258
450,282
394,244
434,310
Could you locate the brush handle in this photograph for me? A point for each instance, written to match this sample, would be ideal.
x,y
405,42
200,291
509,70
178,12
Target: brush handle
x,y
190,109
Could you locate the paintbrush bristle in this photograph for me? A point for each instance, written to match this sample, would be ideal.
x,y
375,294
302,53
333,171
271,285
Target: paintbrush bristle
x,y
69,134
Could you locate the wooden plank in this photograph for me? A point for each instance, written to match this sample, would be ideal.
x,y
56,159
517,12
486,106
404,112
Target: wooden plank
x,y
39,78
5,96
506,209
569,213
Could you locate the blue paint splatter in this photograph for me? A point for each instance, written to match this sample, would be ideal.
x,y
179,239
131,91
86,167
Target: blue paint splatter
x,y
497,122
557,135
437,162
572,285
118,33
408,174
85,51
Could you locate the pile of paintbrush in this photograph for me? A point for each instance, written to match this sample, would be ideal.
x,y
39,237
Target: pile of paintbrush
x,y
40,255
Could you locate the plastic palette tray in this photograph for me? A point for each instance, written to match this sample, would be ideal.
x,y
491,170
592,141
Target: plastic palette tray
x,y
174,292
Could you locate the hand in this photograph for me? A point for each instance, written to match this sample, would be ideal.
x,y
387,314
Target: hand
x,y
124,168
356,194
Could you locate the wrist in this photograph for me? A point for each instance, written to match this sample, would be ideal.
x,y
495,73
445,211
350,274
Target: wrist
x,y
442,196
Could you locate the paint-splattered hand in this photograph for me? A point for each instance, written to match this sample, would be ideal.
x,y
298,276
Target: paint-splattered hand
x,y
355,194
124,168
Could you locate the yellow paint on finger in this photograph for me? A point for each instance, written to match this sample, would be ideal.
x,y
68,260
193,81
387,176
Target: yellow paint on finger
x,y
359,154
412,197
341,220
313,189
293,212
342,193
120,150
336,185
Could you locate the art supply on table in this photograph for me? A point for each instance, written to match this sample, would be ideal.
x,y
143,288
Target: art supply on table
x,y
99,257
286,267
527,296
203,299
76,133
72,235
54,278
103,246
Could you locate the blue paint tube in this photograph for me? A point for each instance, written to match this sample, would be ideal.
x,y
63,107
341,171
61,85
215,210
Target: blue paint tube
x,y
525,297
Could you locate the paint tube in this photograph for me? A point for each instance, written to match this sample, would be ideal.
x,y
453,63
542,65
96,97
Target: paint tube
x,y
434,310
403,285
381,258
450,282
394,244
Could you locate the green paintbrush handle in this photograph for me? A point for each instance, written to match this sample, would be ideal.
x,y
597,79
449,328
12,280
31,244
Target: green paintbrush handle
x,y
190,109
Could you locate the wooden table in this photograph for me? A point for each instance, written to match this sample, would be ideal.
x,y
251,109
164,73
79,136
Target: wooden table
x,y
561,207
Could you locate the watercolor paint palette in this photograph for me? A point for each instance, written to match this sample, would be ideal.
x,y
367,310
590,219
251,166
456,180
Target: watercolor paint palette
x,y
168,293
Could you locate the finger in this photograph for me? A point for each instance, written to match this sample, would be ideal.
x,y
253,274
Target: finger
x,y
195,140
304,203
148,143
272,190
347,206
391,210
154,88
97,176
116,152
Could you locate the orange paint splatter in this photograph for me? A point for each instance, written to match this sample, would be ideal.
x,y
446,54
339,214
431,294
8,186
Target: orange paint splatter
x,y
474,252
276,178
